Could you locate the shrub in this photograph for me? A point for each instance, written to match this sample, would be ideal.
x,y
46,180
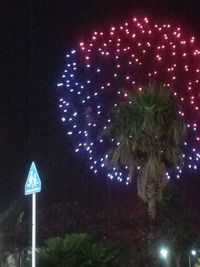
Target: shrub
x,y
77,250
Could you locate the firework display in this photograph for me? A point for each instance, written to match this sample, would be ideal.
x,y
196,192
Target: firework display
x,y
102,70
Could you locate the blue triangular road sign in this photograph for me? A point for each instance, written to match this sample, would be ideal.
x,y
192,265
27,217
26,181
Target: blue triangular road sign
x,y
33,182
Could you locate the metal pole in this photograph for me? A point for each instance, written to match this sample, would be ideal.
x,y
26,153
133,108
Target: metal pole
x,y
190,264
33,229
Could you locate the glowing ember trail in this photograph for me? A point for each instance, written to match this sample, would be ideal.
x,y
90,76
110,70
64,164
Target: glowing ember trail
x,y
101,71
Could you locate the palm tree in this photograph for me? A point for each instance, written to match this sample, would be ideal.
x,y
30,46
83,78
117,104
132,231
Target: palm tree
x,y
149,132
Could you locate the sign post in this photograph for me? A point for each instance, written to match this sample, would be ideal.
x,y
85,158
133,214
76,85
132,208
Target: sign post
x,y
33,186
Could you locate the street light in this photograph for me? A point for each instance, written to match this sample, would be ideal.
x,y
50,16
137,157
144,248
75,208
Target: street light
x,y
194,253
164,253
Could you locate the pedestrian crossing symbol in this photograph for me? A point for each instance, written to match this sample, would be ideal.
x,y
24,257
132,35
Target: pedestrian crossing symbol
x,y
33,183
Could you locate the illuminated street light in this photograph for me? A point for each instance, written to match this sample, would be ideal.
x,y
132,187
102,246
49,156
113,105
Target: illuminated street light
x,y
164,253
193,253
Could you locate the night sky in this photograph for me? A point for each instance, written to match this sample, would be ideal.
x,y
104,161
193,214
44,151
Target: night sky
x,y
34,38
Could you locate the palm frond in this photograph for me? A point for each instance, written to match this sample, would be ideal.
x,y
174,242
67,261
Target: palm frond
x,y
150,134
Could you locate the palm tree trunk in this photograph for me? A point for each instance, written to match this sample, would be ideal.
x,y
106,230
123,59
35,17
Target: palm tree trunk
x,y
152,208
151,204
151,199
